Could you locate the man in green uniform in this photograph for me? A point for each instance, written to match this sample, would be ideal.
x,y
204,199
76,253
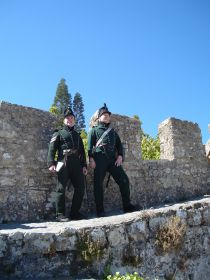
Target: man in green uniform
x,y
68,146
102,150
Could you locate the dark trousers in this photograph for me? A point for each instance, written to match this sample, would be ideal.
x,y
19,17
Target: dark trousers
x,y
103,164
72,171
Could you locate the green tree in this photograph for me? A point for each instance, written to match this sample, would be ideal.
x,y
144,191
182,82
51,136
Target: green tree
x,y
78,108
150,147
83,135
62,99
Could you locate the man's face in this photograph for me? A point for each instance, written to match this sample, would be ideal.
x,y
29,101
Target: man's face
x,y
69,121
105,118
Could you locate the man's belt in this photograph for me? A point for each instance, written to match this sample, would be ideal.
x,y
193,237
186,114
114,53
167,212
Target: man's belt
x,y
69,152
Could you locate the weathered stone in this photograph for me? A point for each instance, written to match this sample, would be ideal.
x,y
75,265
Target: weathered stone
x,y
117,236
38,243
122,243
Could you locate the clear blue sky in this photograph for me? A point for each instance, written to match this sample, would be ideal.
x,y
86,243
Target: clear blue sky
x,y
149,58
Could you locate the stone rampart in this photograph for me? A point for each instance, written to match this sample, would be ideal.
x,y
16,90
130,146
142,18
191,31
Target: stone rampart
x,y
27,187
25,183
166,243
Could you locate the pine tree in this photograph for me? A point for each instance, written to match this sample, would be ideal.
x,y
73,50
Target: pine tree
x,y
78,108
62,99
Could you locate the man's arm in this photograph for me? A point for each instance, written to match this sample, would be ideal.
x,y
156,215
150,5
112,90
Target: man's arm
x,y
119,146
91,145
53,147
82,153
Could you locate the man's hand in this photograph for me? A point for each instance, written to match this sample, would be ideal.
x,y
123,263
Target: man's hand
x,y
92,163
118,162
84,170
52,168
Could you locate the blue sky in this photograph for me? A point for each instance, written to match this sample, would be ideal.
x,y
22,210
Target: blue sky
x,y
149,58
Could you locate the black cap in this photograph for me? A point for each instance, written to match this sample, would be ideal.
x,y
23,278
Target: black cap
x,y
103,110
68,111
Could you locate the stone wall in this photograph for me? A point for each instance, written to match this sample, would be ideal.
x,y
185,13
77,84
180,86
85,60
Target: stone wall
x,y
180,140
166,243
27,187
25,183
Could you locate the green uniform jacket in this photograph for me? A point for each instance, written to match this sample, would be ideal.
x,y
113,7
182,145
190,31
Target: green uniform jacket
x,y
110,145
64,139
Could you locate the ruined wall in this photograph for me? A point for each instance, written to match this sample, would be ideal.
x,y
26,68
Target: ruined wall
x,y
25,183
27,187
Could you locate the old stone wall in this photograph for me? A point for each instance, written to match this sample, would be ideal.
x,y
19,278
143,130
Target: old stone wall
x,y
27,187
25,183
166,243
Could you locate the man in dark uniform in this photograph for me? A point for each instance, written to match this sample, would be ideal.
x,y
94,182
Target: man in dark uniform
x,y
68,146
102,158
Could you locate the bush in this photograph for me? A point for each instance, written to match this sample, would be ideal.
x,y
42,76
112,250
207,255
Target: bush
x,y
150,147
128,276
170,236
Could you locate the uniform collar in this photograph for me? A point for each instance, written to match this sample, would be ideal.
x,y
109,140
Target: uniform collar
x,y
102,124
66,127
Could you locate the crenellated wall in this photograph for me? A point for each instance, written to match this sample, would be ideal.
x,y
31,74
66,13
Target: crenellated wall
x,y
170,241
27,187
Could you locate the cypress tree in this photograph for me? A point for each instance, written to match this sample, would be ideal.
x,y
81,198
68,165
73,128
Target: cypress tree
x,y
62,99
78,108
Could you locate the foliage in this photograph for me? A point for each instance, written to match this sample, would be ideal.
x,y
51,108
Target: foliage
x,y
62,98
89,250
78,108
150,147
83,135
54,110
127,276
137,118
170,235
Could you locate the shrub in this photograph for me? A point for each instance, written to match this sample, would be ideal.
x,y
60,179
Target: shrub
x,y
128,276
170,235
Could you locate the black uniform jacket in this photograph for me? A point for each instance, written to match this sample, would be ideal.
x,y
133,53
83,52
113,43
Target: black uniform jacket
x,y
110,145
65,139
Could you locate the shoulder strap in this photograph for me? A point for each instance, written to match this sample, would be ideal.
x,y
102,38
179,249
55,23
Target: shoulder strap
x,y
102,137
67,146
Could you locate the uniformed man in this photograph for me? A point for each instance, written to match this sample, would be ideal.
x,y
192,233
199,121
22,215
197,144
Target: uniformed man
x,y
68,146
103,143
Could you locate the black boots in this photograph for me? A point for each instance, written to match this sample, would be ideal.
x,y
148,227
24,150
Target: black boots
x,y
77,216
130,208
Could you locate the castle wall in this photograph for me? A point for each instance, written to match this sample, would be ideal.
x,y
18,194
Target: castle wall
x,y
25,183
27,187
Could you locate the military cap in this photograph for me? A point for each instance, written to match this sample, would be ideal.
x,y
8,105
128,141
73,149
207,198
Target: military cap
x,y
103,110
68,111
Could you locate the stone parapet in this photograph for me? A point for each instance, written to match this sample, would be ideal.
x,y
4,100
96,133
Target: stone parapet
x,y
180,140
171,242
27,187
25,182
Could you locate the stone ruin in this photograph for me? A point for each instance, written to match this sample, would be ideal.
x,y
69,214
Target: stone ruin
x,y
169,239
27,187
